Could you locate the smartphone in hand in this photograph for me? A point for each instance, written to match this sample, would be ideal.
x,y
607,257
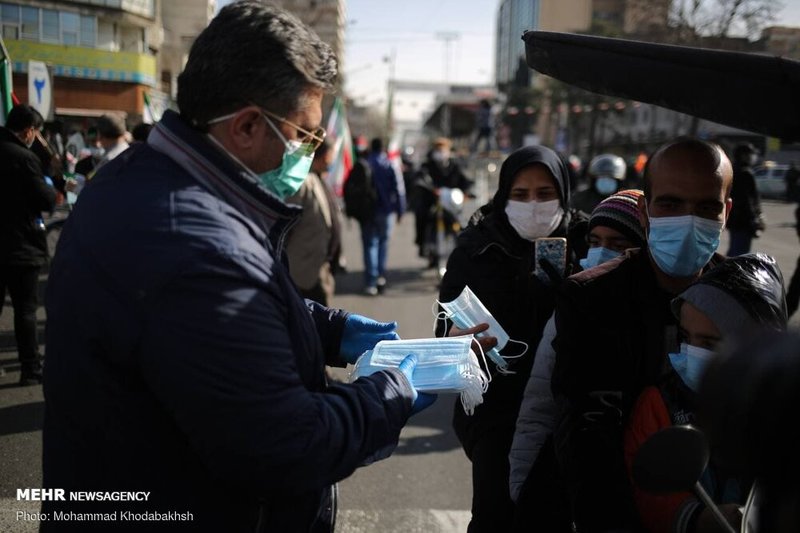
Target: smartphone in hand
x,y
553,251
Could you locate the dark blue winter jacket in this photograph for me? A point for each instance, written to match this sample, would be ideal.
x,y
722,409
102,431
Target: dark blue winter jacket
x,y
389,185
181,360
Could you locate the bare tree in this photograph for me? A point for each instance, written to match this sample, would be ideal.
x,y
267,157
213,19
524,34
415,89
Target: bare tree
x,y
721,18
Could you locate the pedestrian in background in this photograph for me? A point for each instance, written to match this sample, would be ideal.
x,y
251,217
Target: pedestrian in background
x,y
181,359
606,174
24,194
111,135
314,244
483,127
746,220
376,231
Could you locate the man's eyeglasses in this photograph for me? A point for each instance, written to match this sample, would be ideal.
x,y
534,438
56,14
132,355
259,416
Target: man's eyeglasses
x,y
313,140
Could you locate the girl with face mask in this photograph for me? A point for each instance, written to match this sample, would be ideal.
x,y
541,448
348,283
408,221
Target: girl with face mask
x,y
733,301
494,257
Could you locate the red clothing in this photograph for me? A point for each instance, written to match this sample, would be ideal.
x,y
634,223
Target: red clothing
x,y
658,512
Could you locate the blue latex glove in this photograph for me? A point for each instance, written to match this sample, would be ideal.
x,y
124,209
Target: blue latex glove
x,y
362,334
422,400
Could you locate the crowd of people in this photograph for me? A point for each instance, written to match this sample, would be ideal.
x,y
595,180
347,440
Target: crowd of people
x,y
189,326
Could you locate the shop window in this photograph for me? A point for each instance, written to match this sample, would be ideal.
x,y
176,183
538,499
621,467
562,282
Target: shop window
x,y
70,28
88,31
30,23
51,29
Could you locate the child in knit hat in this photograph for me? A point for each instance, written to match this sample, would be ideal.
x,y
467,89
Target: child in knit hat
x,y
613,228
734,300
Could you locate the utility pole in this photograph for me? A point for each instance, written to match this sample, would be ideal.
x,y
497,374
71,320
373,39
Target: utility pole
x,y
448,37
391,59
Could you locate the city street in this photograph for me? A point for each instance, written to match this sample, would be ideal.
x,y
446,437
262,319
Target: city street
x,y
425,486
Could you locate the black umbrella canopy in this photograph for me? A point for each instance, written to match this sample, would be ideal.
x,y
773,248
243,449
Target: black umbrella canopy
x,y
754,92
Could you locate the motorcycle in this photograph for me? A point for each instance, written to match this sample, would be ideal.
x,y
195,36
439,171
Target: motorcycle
x,y
442,228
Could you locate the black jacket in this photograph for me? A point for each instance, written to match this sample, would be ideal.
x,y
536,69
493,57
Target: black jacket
x,y
615,327
25,195
497,264
746,209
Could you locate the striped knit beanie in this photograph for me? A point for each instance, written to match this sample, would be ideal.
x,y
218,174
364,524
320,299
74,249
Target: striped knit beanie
x,y
620,212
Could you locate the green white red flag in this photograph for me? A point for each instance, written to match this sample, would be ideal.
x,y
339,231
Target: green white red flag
x,y
338,134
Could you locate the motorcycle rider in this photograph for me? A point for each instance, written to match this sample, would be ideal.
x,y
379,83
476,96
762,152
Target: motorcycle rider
x,y
439,170
606,173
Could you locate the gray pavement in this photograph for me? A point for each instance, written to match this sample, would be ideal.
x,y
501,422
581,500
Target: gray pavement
x,y
425,486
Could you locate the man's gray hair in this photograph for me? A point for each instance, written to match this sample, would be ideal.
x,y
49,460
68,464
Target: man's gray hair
x,y
253,53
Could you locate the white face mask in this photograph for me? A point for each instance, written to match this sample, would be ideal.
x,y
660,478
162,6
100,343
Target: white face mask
x,y
534,220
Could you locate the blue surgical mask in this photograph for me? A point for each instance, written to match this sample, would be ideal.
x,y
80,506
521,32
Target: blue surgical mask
x,y
690,364
605,185
597,256
681,246
467,311
445,365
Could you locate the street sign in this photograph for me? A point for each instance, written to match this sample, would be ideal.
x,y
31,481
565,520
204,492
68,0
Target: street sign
x,y
40,89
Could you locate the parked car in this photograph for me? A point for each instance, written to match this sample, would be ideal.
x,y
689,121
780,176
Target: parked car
x,y
771,180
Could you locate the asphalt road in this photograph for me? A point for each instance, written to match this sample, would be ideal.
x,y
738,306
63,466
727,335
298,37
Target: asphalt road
x,y
425,486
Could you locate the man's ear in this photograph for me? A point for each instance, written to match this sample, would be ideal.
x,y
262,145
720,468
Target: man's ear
x,y
246,128
728,208
641,204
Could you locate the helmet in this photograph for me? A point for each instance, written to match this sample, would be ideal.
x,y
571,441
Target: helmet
x,y
607,165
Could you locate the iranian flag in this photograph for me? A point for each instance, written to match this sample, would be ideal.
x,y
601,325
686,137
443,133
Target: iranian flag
x,y
6,88
338,134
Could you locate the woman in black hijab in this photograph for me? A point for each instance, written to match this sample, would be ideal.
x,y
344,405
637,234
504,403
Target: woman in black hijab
x,y
495,258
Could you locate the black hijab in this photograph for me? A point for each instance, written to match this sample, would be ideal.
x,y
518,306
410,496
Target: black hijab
x,y
527,156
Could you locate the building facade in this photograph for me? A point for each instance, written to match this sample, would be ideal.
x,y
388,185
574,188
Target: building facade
x,y
101,53
515,17
326,17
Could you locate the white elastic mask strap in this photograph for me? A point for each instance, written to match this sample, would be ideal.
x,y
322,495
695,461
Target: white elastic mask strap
x,y
524,351
438,315
485,364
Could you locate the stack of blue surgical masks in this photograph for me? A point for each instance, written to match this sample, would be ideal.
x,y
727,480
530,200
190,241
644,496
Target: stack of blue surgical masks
x,y
444,365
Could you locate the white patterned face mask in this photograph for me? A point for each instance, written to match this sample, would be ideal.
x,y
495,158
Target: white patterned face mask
x,y
444,365
467,311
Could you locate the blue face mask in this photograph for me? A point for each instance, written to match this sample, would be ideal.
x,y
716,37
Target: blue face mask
x,y
467,311
690,364
597,256
445,365
681,246
606,185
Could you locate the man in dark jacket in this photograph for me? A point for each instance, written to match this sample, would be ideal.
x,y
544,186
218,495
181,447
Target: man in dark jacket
x,y
745,221
377,230
615,325
182,364
23,246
